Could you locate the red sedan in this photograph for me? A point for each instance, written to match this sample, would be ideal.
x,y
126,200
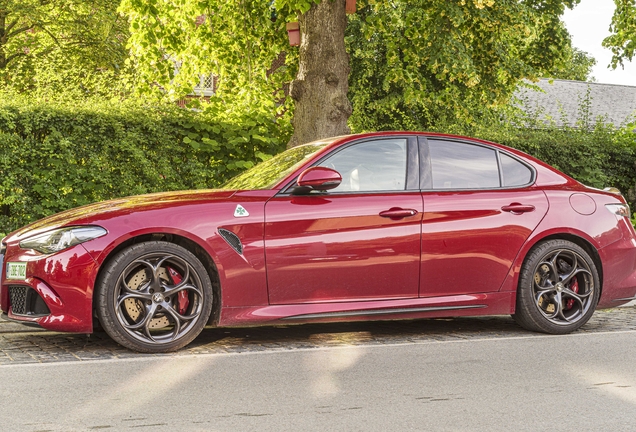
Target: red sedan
x,y
391,225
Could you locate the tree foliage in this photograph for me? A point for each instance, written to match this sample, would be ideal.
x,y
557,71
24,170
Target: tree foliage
x,y
61,44
174,42
415,63
578,66
622,41
412,62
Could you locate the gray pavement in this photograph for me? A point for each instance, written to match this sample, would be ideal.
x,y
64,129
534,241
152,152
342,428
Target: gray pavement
x,y
448,378
20,344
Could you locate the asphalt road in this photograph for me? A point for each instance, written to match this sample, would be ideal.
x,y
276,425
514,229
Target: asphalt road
x,y
349,377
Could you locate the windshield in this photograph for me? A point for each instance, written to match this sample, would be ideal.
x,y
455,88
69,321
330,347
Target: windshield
x,y
267,174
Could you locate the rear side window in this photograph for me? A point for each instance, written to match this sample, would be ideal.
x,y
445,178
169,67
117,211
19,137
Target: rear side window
x,y
463,166
514,172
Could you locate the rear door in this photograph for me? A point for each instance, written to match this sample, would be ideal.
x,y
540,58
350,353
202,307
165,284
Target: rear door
x,y
479,209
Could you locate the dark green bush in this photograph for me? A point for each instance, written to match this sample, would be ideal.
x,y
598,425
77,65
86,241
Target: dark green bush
x,y
55,156
599,156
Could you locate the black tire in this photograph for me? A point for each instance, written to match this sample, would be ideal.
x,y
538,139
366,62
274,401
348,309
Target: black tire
x,y
154,297
558,288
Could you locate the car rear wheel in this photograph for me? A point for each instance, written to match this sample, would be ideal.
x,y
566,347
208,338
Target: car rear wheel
x,y
558,288
154,297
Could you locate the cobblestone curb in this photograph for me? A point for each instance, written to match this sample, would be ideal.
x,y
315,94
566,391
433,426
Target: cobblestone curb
x,y
20,344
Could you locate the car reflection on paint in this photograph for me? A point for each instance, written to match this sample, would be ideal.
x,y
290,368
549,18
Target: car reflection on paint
x,y
390,225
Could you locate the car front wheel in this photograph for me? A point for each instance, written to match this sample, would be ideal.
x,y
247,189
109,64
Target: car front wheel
x,y
558,288
154,297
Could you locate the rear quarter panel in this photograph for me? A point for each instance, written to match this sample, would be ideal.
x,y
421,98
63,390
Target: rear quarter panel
x,y
601,229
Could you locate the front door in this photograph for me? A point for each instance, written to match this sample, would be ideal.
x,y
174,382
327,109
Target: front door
x,y
360,241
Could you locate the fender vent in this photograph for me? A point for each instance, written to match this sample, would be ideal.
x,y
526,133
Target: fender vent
x,y
232,239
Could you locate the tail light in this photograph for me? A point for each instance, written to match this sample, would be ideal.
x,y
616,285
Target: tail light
x,y
619,210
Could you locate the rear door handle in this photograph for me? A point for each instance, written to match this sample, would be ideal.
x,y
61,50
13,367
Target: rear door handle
x,y
396,213
518,208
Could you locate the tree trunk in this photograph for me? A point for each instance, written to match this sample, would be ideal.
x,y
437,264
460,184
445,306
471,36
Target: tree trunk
x,y
320,88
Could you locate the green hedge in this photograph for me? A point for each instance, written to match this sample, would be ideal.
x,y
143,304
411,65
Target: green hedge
x,y
59,155
55,156
599,157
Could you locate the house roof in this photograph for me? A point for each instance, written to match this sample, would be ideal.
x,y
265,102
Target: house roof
x,y
562,100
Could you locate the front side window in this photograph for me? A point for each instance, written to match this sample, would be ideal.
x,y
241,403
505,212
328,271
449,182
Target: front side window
x,y
463,166
370,166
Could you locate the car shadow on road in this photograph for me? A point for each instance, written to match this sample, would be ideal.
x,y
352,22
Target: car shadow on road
x,y
354,333
23,344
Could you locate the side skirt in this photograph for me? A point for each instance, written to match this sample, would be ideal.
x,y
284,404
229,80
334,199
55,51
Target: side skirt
x,y
432,307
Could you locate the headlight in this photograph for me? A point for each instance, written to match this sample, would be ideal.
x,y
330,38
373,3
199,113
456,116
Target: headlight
x,y
60,239
619,209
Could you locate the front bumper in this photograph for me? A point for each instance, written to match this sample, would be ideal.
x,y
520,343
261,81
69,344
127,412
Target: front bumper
x,y
57,292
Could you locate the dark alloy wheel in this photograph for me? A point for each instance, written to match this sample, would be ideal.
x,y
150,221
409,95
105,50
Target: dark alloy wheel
x,y
558,288
154,297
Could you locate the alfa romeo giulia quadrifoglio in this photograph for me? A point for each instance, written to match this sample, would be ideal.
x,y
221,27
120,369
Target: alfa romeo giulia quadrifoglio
x,y
377,226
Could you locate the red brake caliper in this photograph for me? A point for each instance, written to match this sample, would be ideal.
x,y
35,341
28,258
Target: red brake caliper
x,y
182,296
574,287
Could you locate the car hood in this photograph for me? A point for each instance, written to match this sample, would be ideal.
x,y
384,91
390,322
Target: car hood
x,y
119,206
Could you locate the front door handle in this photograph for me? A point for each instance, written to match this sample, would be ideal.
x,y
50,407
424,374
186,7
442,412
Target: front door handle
x,y
518,208
396,213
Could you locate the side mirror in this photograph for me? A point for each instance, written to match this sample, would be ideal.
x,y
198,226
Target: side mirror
x,y
319,178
